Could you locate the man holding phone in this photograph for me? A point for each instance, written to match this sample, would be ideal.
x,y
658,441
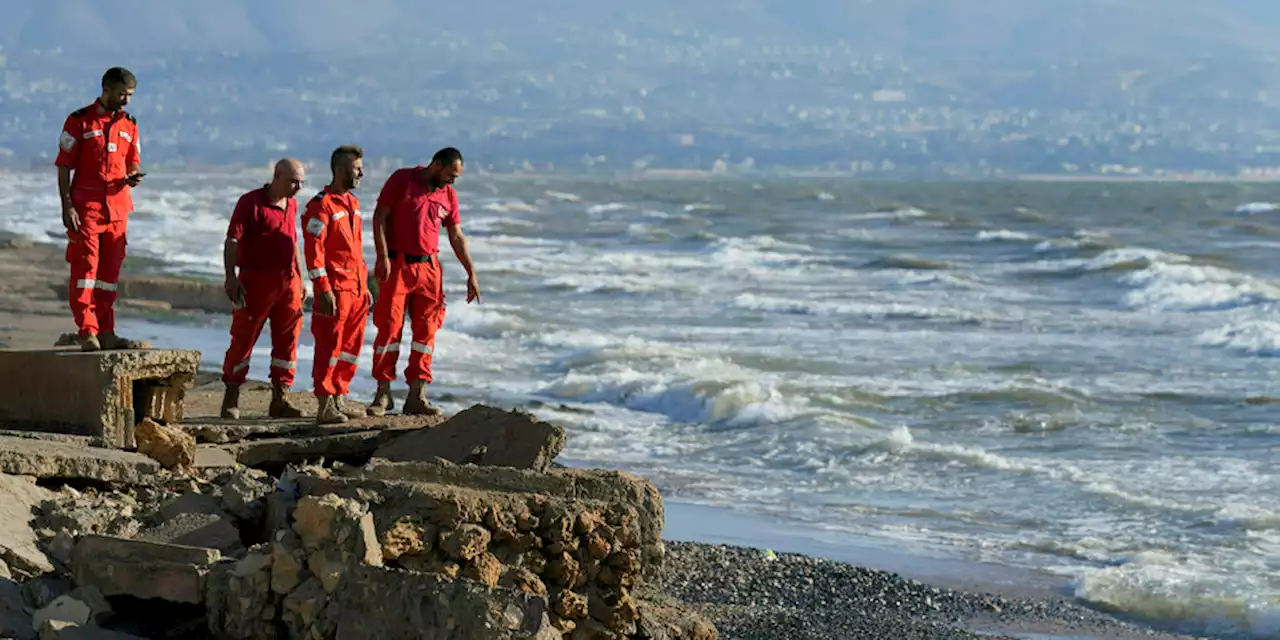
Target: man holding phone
x,y
99,162
262,242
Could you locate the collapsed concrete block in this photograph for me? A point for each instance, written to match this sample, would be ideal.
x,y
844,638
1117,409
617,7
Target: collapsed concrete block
x,y
102,394
142,569
45,459
484,436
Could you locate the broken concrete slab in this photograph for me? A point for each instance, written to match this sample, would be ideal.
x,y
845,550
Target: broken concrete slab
x,y
484,436
44,459
221,431
102,394
277,452
19,496
143,569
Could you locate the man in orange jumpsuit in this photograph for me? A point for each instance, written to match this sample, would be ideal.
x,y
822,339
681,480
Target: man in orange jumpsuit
x,y
333,249
99,162
412,206
262,240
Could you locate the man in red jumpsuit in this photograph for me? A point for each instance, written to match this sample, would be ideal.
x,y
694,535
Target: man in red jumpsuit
x,y
412,206
262,240
99,162
332,246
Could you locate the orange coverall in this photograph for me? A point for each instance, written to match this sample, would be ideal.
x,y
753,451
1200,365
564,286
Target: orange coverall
x,y
99,146
332,247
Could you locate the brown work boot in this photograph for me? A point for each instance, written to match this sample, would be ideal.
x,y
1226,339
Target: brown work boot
x,y
416,404
382,402
114,342
280,406
231,402
329,412
89,342
347,410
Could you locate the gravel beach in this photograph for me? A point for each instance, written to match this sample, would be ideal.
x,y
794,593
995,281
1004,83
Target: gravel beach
x,y
753,594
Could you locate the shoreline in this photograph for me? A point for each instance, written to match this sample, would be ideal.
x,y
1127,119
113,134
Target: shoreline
x,y
936,597
252,172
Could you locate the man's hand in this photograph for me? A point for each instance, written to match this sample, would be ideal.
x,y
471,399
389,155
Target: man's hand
x,y
235,291
326,303
70,217
134,179
368,299
382,268
473,289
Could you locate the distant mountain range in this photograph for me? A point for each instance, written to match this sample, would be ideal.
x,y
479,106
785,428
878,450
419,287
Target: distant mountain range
x,y
935,33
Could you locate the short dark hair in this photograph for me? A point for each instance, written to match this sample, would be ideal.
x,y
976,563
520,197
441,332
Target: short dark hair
x,y
118,76
343,153
447,156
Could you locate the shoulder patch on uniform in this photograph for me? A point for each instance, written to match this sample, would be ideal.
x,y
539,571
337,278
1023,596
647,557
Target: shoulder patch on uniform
x,y
315,227
66,141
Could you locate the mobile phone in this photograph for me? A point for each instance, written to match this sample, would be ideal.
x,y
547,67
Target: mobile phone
x,y
138,175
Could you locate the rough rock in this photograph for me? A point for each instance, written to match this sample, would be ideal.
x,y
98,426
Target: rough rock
x,y
44,459
172,447
64,609
243,491
18,498
99,609
142,569
77,513
484,436
15,622
336,534
39,592
442,609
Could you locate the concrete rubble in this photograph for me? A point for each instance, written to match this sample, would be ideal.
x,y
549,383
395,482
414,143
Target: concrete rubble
x,y
394,528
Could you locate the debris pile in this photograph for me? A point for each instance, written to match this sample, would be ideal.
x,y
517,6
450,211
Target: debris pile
x,y
463,529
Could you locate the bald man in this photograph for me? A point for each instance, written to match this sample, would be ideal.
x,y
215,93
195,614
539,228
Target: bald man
x,y
262,242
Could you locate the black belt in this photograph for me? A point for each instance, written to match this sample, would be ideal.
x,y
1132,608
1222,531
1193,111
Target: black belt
x,y
408,259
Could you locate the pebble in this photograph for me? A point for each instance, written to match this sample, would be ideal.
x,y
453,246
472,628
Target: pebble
x,y
752,594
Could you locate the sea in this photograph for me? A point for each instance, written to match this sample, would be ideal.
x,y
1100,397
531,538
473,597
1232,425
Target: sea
x,y
1080,379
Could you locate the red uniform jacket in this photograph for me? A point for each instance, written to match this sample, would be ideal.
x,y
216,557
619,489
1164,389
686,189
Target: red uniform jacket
x,y
98,146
